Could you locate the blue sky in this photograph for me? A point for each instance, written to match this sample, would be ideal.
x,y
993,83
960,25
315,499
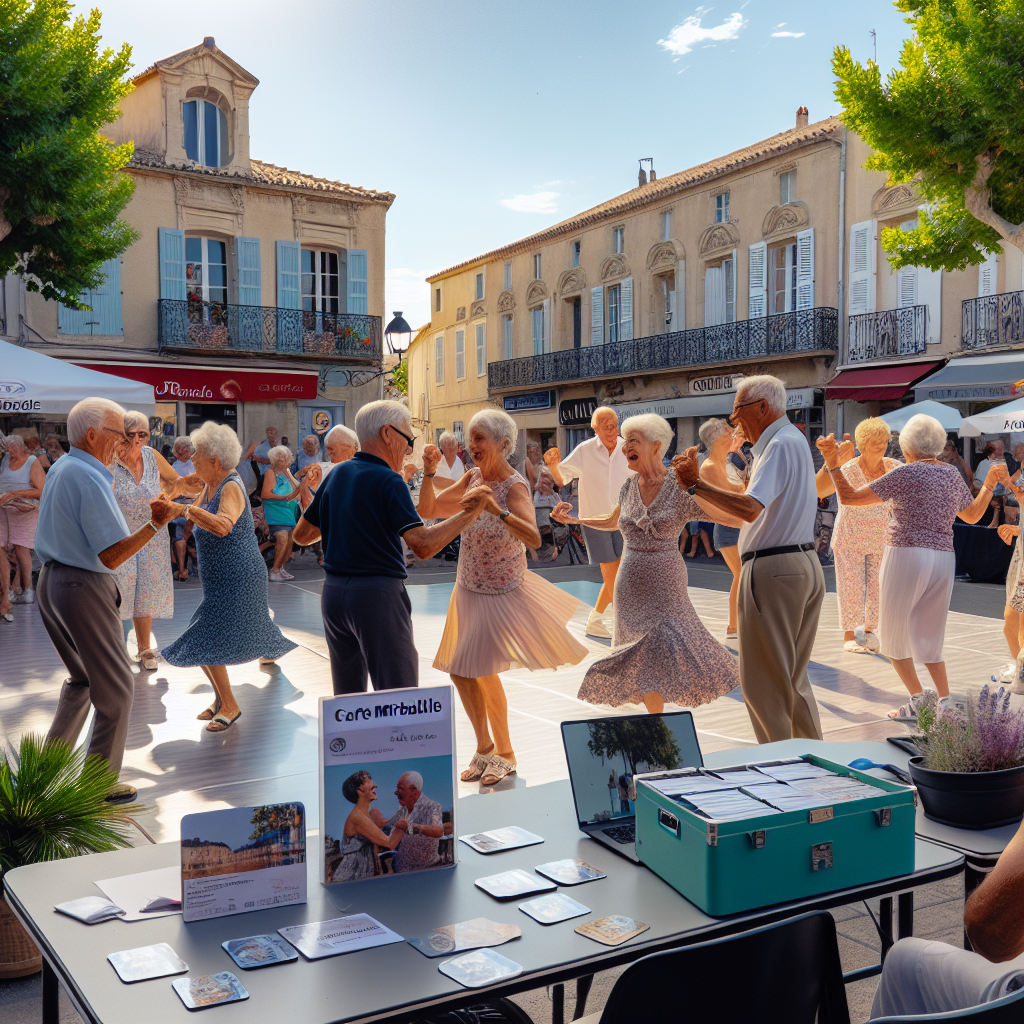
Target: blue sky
x,y
492,120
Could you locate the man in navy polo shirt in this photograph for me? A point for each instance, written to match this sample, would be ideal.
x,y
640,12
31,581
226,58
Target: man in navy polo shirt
x,y
362,511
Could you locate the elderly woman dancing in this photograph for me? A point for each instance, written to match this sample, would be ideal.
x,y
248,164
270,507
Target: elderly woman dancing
x,y
923,498
662,650
280,494
500,615
21,485
232,625
858,537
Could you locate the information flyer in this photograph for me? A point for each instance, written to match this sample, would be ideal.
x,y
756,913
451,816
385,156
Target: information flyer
x,y
387,783
241,859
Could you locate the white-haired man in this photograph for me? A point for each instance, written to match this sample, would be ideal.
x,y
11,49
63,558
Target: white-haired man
x,y
781,582
418,848
363,510
602,470
450,465
82,538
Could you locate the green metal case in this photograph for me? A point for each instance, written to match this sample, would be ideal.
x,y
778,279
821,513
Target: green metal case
x,y
729,867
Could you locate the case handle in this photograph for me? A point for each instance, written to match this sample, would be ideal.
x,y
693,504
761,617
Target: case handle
x,y
669,822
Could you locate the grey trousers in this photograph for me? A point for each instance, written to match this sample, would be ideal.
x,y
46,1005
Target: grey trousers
x,y
368,629
779,600
80,612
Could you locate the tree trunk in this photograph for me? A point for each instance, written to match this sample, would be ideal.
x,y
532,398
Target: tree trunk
x,y
978,201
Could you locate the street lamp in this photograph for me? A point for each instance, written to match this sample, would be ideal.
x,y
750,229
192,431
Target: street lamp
x,y
398,334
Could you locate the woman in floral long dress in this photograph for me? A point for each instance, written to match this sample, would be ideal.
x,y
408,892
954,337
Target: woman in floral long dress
x,y
661,650
499,615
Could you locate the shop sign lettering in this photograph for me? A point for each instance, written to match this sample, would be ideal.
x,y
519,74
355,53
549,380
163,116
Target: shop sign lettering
x,y
717,384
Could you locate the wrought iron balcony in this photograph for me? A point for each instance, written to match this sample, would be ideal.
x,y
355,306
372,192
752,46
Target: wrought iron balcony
x,y
804,332
888,334
993,320
217,326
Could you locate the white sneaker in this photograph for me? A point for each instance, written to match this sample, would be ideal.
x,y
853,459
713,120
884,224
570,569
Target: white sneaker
x,y
596,626
1006,674
27,596
285,574
276,577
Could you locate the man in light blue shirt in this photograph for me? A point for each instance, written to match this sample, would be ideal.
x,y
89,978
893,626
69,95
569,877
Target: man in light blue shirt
x,y
82,538
262,453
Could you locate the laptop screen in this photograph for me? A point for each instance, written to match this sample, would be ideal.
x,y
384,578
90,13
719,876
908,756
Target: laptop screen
x,y
604,754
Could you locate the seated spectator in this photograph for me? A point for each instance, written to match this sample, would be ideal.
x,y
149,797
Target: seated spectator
x,y
933,977
952,456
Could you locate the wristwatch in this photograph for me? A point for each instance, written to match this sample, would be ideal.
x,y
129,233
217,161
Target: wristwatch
x,y
504,515
153,526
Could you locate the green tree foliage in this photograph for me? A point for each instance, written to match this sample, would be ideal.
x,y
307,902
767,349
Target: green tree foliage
x,y
645,740
950,119
400,377
61,184
272,818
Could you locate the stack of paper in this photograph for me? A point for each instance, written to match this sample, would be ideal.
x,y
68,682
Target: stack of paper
x,y
730,805
741,776
835,789
795,770
786,798
683,784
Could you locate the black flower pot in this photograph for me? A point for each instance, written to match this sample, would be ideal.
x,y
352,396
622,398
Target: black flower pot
x,y
974,800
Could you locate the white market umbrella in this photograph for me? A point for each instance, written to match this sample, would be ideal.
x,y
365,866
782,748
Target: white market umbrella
x,y
31,382
1007,418
948,416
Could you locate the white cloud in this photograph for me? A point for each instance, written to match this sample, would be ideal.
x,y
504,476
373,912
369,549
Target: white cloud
x,y
536,202
407,290
685,36
788,35
781,24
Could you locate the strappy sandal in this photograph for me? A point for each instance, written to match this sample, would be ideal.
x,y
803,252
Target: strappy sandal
x,y
147,659
498,769
904,713
852,647
479,763
207,715
181,577
223,721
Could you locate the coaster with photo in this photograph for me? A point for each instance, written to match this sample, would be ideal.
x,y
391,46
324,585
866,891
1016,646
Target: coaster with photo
x,y
454,938
480,968
569,871
611,931
209,990
509,884
498,839
260,951
552,908
145,962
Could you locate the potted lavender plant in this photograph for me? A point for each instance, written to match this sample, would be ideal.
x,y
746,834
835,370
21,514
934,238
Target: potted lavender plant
x,y
972,772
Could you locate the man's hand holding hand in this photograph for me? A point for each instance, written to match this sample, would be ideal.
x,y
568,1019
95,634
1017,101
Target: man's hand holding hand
x,y
431,457
847,450
562,513
163,510
686,468
1007,533
476,499
829,450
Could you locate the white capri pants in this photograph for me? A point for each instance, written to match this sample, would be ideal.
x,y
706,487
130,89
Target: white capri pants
x,y
915,587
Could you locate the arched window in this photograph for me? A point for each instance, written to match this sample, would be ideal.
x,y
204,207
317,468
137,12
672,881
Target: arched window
x,y
206,133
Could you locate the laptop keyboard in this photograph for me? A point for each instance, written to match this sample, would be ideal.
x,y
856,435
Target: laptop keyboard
x,y
621,833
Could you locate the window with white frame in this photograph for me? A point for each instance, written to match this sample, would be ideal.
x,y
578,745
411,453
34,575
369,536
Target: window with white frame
x,y
666,290
576,253
206,270
720,293
618,239
722,208
460,355
320,281
536,266
459,431
508,276
478,294
439,359
537,320
481,349
206,133
782,278
666,225
506,330
787,187
614,312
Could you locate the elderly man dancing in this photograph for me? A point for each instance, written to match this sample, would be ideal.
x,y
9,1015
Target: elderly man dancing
x,y
82,538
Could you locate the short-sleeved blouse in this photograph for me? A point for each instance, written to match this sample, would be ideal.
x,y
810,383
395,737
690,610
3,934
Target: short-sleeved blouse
x,y
923,499
491,560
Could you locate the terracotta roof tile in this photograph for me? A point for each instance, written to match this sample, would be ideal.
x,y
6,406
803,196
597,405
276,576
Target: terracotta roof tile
x,y
794,138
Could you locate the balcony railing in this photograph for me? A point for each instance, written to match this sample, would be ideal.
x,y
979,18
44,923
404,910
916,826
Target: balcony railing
x,y
217,326
802,332
888,334
991,320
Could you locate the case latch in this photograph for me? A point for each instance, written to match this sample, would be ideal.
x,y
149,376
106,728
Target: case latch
x,y
883,816
668,821
756,839
819,814
821,856
712,834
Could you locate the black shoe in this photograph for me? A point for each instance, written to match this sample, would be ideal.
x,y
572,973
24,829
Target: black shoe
x,y
122,793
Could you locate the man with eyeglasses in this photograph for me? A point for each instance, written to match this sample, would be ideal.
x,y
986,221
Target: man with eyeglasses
x,y
781,582
82,538
363,510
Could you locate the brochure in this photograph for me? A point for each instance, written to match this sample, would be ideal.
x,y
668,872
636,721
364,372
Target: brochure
x,y
241,859
498,839
339,935
387,783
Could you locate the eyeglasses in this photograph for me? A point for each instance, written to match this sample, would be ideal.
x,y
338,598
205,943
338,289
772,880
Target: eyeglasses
x,y
729,419
409,440
117,433
137,433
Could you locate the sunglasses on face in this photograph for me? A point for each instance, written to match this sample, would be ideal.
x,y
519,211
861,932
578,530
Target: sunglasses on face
x,y
408,440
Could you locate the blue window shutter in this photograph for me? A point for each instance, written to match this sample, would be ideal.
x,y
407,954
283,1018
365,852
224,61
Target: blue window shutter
x,y
247,253
172,264
106,301
358,286
190,116
289,298
74,321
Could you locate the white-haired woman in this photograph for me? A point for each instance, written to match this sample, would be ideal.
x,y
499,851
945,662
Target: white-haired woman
x,y
144,579
858,536
280,494
21,485
721,441
180,530
499,615
662,650
923,498
232,624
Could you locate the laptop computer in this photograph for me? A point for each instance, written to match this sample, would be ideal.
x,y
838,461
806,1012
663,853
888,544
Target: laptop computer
x,y
603,755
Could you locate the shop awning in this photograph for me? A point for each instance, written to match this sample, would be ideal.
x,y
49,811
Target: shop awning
x,y
974,379
705,405
1007,418
880,382
31,382
948,416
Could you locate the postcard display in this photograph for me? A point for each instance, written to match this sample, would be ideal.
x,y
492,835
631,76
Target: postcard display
x,y
373,747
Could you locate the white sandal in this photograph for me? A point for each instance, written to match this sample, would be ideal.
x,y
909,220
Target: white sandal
x,y
478,764
147,659
499,768
852,647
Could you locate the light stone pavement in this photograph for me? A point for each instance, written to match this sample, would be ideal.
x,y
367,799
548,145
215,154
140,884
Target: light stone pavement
x,y
270,754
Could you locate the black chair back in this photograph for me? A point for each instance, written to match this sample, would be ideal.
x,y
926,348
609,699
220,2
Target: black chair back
x,y
1008,1010
785,972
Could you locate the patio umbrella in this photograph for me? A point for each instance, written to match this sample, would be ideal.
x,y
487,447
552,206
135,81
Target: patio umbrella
x,y
1007,418
945,414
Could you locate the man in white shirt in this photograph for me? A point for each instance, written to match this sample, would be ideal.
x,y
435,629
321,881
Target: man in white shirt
x,y
781,582
602,470
450,465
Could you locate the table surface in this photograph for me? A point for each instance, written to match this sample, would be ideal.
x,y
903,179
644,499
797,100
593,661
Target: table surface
x,y
393,982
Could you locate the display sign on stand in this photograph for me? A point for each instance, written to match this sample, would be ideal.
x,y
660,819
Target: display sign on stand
x,y
241,859
387,783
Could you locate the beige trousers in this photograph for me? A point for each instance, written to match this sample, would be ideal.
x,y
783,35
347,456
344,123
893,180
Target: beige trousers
x,y
779,600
